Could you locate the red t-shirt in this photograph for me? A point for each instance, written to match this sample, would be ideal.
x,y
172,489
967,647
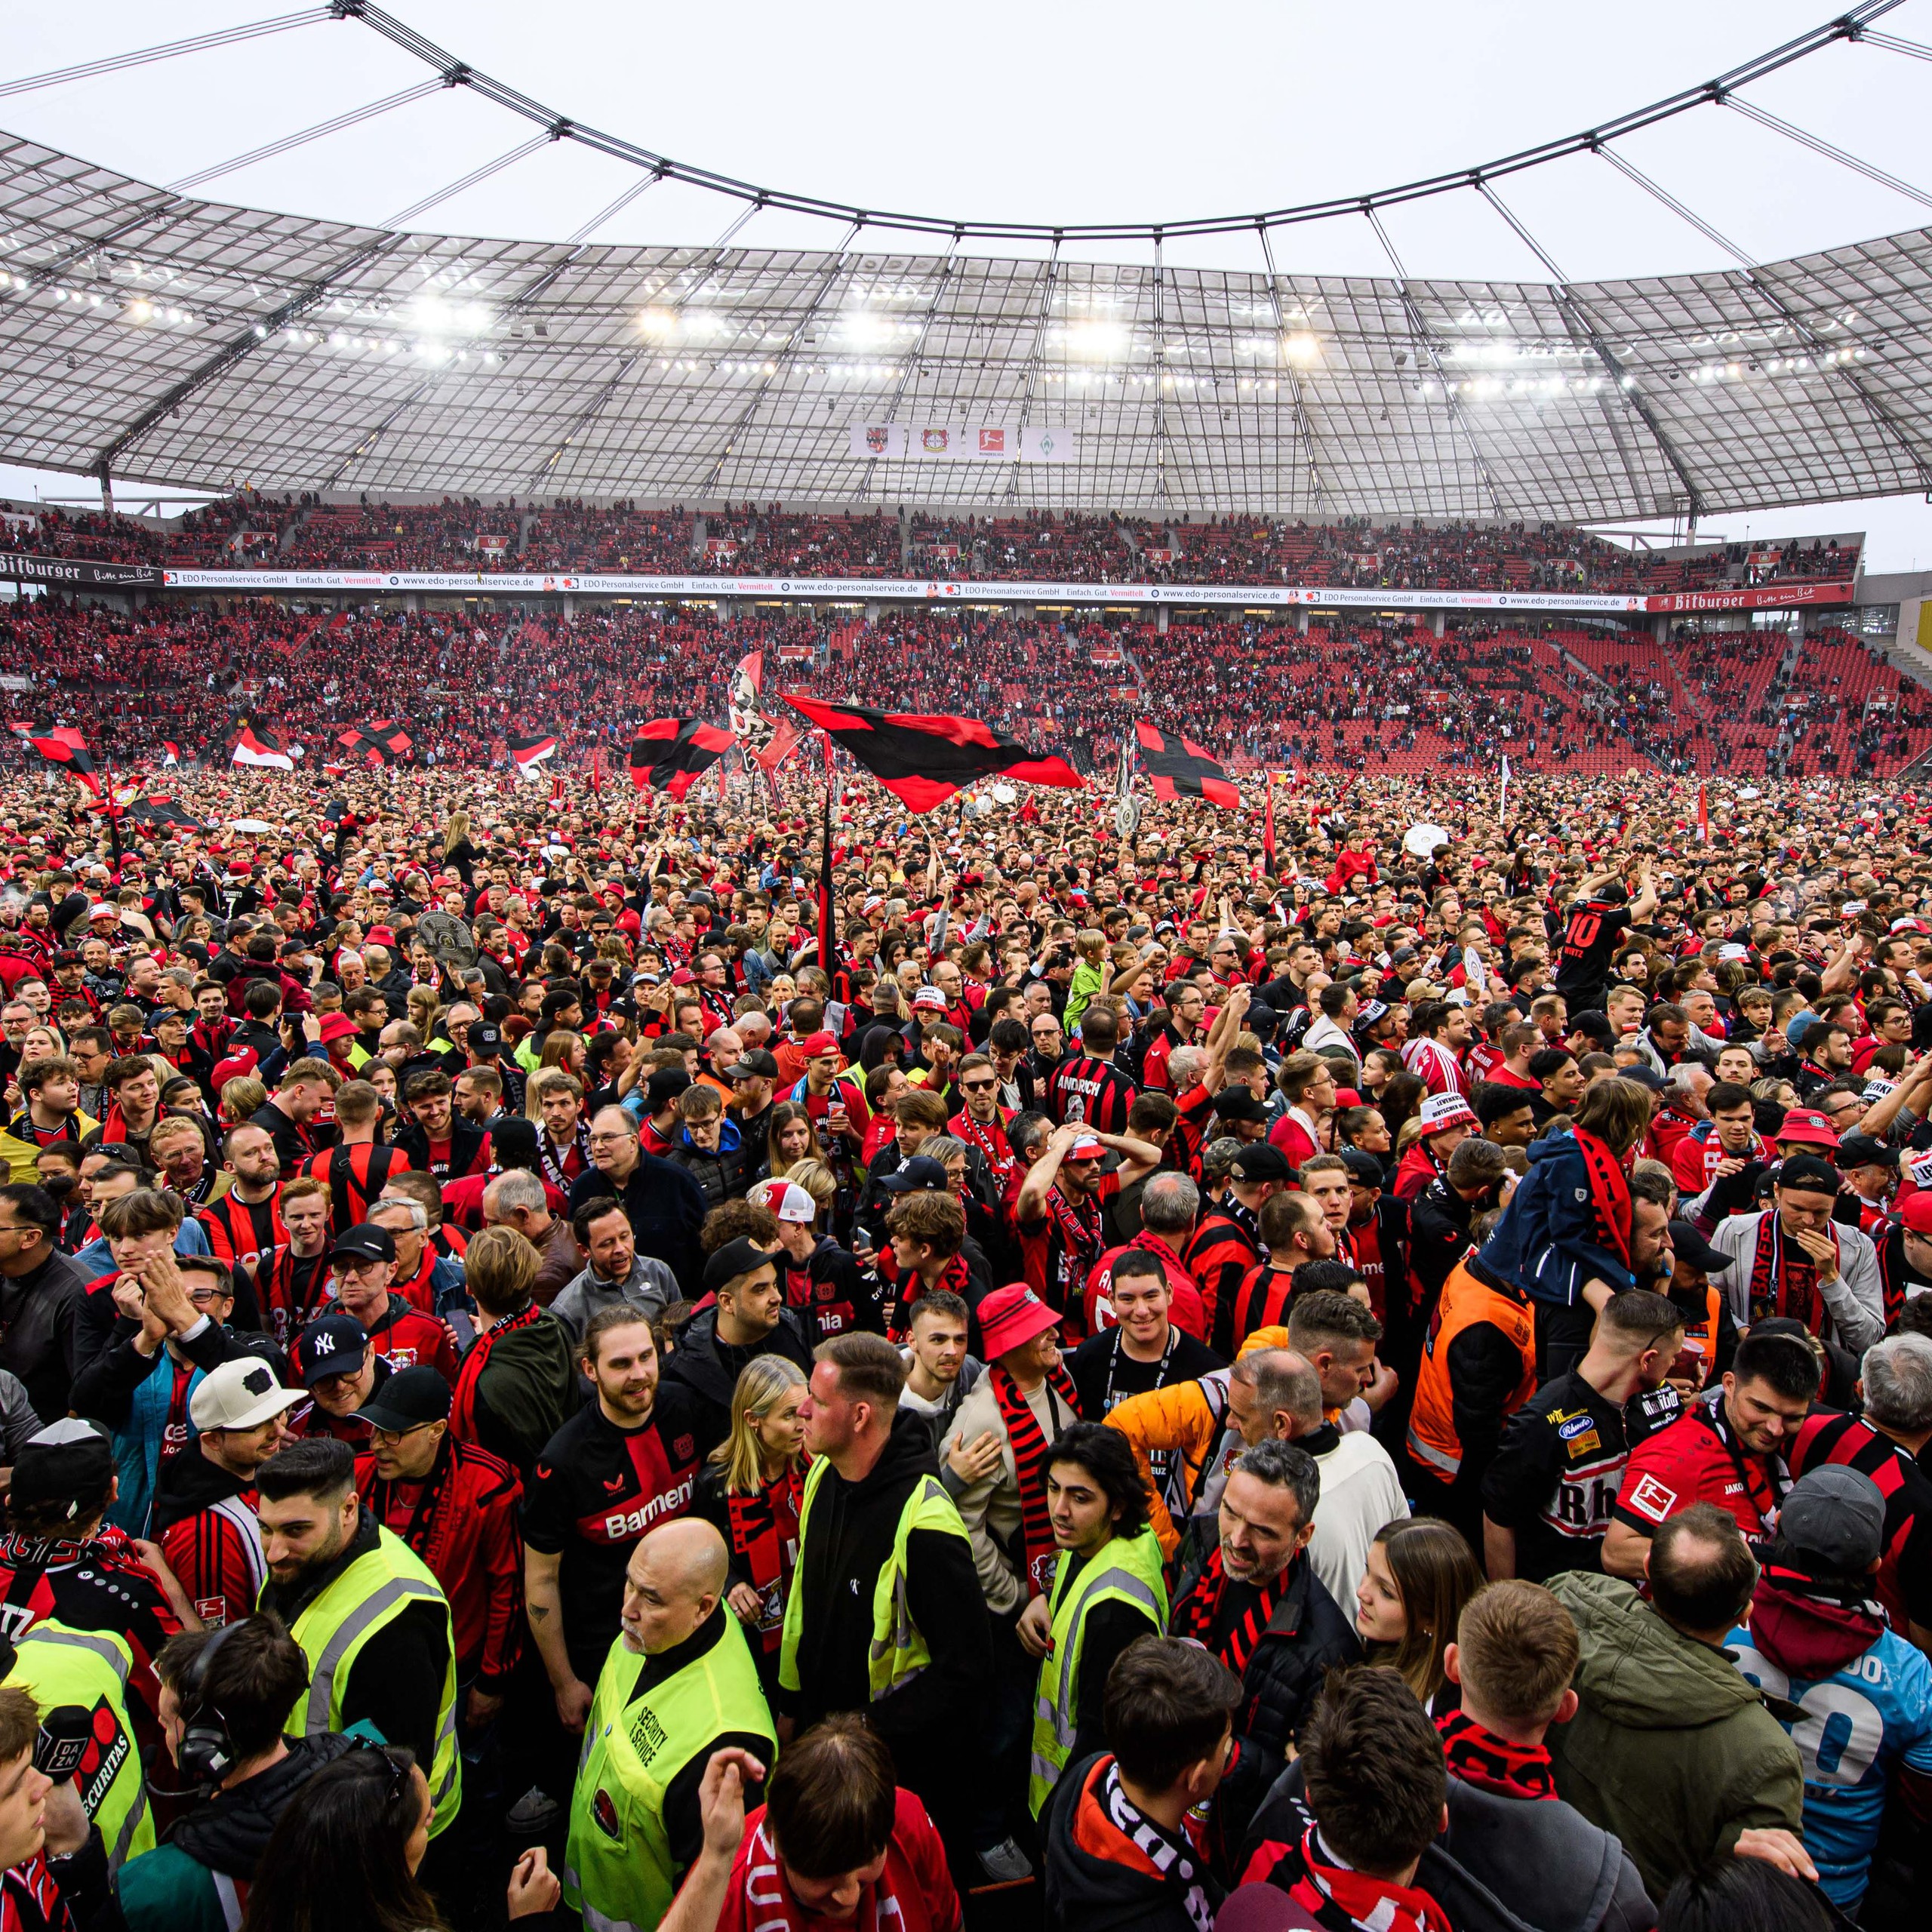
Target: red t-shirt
x,y
915,1889
1689,1463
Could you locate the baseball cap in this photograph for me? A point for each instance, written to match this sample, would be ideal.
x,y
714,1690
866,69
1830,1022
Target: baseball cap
x,y
742,1257
1836,1515
1863,1150
1012,1316
786,1199
1263,1162
920,1175
1441,1112
67,1460
1646,1077
1916,1212
1364,1170
365,1242
664,1086
1692,1248
756,1065
820,1042
408,1399
1237,1103
1808,1171
485,1040
331,1345
241,1394
1809,1127
1086,1148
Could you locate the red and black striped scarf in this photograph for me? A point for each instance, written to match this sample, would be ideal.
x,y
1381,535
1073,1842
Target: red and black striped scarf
x,y
1029,1446
1195,1617
1081,1240
463,1400
1784,1279
1478,1757
762,1524
1337,1896
1609,1195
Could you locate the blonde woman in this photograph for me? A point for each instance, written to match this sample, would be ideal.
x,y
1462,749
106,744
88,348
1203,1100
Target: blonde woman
x,y
751,1488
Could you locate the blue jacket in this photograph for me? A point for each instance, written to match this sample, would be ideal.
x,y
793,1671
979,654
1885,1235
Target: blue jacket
x,y
1544,1242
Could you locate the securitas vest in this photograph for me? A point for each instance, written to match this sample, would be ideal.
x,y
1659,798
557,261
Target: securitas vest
x,y
617,1867
90,1668
368,1596
1464,1302
898,1652
1125,1570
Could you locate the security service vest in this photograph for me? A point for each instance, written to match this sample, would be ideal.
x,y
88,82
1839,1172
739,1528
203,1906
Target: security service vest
x,y
368,1596
90,1668
898,1652
617,1867
1464,1303
1124,1570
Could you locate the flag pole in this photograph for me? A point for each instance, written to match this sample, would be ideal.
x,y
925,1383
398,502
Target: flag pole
x,y
825,863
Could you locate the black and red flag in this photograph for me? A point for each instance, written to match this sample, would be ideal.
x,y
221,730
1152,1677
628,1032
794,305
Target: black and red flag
x,y
1178,768
922,759
62,745
529,749
382,741
671,754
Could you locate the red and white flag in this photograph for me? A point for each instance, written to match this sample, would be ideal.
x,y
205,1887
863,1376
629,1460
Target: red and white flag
x,y
261,747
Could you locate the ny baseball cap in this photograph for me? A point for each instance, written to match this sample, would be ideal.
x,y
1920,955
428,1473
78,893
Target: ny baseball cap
x,y
920,1175
331,1345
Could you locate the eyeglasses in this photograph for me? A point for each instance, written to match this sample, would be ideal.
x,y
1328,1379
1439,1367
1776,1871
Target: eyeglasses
x,y
610,1140
398,1771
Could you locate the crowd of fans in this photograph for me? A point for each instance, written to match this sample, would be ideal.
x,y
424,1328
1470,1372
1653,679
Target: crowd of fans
x,y
305,533
552,1367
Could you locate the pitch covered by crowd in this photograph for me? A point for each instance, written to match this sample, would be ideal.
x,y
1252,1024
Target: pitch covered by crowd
x,y
1353,1358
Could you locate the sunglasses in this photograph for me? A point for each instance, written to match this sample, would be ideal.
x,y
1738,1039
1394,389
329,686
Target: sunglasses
x,y
977,1086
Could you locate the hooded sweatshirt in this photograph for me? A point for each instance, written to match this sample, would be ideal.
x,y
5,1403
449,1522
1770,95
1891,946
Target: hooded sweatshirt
x,y
1671,1749
848,1538
1110,1869
177,1887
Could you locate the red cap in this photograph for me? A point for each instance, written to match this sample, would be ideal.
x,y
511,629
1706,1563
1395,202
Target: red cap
x,y
1917,1213
1808,1128
1085,1149
820,1042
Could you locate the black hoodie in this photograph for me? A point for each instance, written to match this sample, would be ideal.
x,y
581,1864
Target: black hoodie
x,y
928,1722
187,1484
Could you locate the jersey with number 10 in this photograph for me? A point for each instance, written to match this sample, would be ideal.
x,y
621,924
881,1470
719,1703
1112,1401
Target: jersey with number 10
x,y
1855,1726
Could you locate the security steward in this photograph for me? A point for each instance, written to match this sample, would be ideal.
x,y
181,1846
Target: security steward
x,y
370,1618
454,1504
87,1671
1107,1589
679,1683
1478,1368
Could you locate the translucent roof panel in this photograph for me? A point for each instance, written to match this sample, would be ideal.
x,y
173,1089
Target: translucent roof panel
x,y
189,342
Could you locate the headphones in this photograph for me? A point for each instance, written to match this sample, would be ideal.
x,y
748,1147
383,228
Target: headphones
x,y
206,1753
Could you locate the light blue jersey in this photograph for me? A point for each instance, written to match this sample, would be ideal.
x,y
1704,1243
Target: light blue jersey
x,y
1858,1725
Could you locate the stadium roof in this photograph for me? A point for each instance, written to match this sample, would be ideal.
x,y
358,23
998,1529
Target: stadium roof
x,y
194,343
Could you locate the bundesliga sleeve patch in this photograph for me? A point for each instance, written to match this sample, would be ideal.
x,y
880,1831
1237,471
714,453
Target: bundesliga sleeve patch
x,y
1650,1498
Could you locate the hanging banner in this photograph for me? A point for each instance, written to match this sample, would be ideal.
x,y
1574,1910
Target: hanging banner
x,y
24,568
961,442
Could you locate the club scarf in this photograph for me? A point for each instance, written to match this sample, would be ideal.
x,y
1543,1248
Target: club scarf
x,y
763,1900
555,1166
1081,1239
463,1403
419,1530
1784,1279
1609,1195
1479,1757
1342,1898
989,1138
1195,1617
764,1532
1180,1868
1765,1477
1028,1442
954,1278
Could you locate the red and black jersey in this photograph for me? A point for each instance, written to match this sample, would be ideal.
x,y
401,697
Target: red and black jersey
x,y
1904,1584
100,1584
216,1556
461,1519
594,1492
1221,1255
291,1290
355,1177
31,1900
241,1231
1262,1300
1058,1251
1094,1091
826,1292
405,1337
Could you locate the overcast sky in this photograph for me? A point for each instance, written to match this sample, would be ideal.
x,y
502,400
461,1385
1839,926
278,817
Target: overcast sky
x,y
1045,113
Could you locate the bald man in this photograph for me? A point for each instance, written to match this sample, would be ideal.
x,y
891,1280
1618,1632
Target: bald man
x,y
679,1683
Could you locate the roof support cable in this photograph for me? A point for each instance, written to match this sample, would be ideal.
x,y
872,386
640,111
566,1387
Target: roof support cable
x,y
1584,332
115,63
909,364
613,208
1049,289
1426,342
1751,112
1309,465
1830,361
520,152
1892,44
354,117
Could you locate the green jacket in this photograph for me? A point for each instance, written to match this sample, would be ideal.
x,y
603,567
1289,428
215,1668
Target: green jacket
x,y
1672,1748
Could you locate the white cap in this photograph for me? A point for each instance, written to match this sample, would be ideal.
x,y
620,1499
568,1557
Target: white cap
x,y
241,1394
789,1200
